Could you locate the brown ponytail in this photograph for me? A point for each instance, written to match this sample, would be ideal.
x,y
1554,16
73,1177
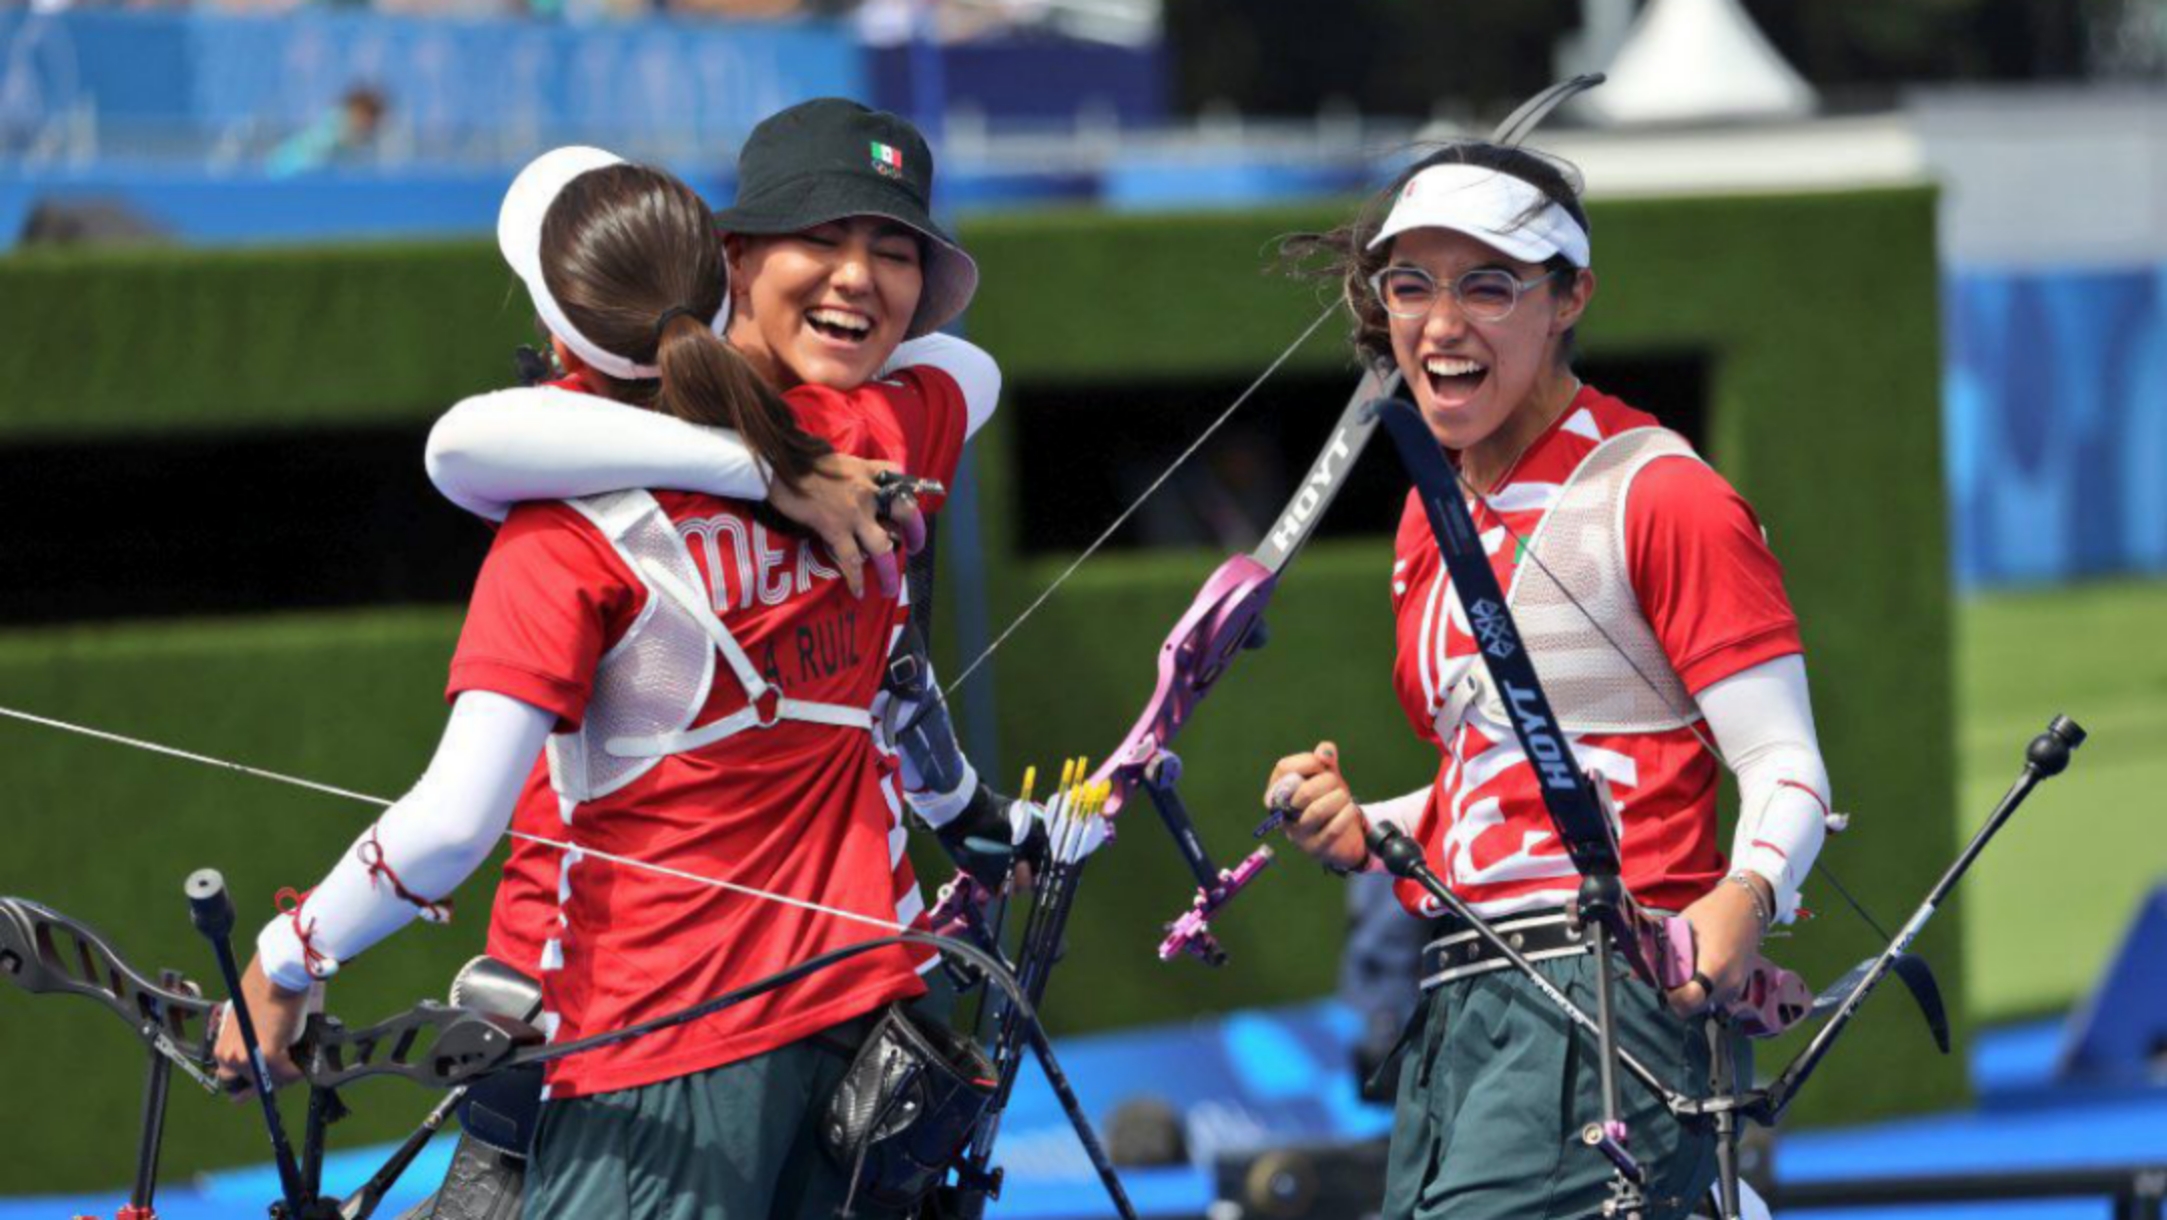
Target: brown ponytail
x,y
623,249
698,368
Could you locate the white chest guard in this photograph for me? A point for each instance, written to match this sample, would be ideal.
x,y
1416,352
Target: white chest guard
x,y
650,685
1587,654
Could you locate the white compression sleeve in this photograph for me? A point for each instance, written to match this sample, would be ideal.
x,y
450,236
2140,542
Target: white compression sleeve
x,y
541,443
1763,721
432,838
975,371
1401,811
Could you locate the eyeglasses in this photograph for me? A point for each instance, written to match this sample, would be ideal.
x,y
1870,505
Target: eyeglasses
x,y
1486,294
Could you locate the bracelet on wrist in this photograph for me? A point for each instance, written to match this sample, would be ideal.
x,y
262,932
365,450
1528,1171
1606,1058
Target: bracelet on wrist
x,y
1761,912
1360,866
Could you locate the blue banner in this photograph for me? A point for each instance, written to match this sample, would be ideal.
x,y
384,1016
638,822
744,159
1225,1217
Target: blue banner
x,y
2056,423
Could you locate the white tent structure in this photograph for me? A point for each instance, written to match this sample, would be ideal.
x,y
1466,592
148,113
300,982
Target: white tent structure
x,y
1690,61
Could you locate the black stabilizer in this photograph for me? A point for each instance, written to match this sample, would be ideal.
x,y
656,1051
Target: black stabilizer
x,y
210,908
209,905
2046,756
2049,752
1397,852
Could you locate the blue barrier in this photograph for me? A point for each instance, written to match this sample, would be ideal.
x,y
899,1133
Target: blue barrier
x,y
707,82
1264,1078
331,205
2056,423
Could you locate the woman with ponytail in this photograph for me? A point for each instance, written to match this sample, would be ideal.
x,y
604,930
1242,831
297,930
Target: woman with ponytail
x,y
840,280
700,676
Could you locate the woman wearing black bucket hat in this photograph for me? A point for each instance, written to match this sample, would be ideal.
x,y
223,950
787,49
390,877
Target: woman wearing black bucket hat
x,y
842,277
821,169
813,171
835,207
720,809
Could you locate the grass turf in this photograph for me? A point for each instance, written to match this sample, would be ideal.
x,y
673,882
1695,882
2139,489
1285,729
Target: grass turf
x,y
2046,905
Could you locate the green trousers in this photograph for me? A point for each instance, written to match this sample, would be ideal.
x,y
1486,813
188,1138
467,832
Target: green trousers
x,y
1496,1085
737,1142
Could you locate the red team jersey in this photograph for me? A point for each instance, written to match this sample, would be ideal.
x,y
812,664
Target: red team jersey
x,y
801,809
1708,585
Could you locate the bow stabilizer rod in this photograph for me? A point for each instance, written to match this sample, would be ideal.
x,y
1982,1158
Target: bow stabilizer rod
x,y
2046,757
210,908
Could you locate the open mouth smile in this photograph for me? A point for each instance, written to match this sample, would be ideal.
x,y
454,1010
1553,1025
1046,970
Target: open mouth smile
x,y
839,325
1454,378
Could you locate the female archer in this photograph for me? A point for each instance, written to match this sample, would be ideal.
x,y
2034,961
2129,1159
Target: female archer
x,y
701,680
825,222
1469,274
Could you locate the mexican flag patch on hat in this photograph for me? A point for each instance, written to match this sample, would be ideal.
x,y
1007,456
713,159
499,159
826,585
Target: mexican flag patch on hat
x,y
800,169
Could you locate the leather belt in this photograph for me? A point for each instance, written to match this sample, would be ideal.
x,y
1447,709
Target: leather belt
x,y
1461,952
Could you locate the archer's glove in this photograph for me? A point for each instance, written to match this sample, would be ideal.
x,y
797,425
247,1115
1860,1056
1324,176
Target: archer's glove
x,y
991,833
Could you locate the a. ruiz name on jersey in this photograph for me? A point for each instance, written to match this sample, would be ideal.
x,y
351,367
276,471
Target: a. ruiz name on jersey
x,y
744,564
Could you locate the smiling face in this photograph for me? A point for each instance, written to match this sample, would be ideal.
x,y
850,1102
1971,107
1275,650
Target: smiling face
x,y
826,306
1470,378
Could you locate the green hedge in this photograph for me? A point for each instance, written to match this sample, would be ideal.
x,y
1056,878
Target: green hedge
x,y
143,342
1816,316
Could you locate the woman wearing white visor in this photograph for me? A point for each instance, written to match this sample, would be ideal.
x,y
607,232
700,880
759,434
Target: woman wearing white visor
x,y
1470,274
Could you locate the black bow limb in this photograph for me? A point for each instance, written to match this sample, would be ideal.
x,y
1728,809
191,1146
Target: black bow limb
x,y
47,953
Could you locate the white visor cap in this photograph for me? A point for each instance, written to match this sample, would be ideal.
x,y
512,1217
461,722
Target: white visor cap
x,y
1494,208
519,237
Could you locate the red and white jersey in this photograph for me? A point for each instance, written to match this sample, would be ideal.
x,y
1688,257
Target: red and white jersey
x,y
1711,592
808,810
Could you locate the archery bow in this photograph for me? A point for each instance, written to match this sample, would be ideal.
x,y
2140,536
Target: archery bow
x,y
1224,619
432,1044
435,1045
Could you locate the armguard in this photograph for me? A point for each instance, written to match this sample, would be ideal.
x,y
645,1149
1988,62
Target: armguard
x,y
937,779
983,831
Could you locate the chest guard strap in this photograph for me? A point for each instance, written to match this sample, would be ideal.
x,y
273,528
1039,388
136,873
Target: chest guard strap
x,y
1573,598
651,685
766,705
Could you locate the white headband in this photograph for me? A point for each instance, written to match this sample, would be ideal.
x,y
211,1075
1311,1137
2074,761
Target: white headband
x,y
519,236
1497,209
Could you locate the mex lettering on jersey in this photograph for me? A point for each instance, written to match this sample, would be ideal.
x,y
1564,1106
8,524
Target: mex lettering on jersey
x,y
750,567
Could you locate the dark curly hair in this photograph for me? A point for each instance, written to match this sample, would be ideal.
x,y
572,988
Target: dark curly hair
x,y
1342,255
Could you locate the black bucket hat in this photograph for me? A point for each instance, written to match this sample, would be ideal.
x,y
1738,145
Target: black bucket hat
x,y
829,159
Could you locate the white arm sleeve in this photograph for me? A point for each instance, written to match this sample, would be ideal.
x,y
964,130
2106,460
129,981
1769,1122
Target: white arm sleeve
x,y
973,370
432,838
1401,811
1763,722
542,443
